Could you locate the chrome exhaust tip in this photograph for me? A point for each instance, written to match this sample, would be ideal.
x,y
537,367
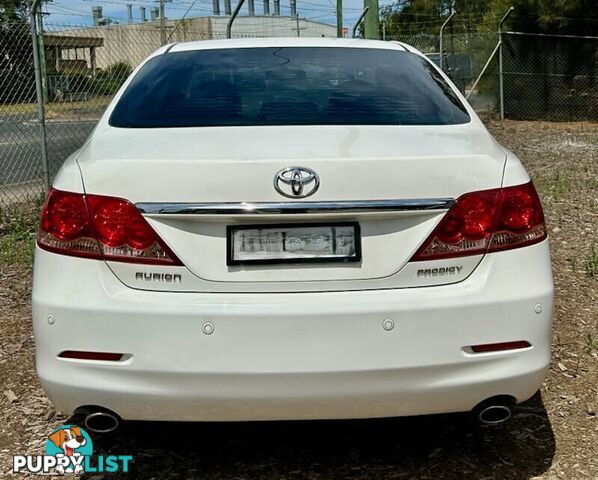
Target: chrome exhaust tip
x,y
101,421
494,414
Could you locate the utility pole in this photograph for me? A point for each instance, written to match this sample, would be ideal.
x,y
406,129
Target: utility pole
x,y
339,18
162,23
372,20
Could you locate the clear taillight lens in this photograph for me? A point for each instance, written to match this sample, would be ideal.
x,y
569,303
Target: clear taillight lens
x,y
97,226
487,221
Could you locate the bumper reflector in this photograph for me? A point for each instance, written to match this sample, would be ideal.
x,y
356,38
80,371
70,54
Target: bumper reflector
x,y
100,356
497,347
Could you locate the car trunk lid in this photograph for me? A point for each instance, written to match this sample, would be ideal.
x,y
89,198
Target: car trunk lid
x,y
235,167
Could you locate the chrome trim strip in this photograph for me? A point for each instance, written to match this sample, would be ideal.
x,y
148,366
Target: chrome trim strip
x,y
275,208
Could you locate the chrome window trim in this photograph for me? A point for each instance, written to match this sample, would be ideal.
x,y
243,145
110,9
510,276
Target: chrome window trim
x,y
274,208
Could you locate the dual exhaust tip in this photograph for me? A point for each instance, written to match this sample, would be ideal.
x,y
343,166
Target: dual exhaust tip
x,y
100,421
494,411
495,414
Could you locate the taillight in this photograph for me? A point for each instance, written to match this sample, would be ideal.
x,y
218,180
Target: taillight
x,y
487,221
96,226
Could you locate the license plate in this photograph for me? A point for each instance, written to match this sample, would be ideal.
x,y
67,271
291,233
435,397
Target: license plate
x,y
293,243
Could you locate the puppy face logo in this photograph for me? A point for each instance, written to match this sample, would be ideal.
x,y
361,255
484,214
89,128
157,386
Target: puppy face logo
x,y
71,443
69,449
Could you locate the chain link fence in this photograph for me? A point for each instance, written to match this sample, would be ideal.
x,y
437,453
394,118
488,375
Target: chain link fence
x,y
550,77
20,165
82,67
463,58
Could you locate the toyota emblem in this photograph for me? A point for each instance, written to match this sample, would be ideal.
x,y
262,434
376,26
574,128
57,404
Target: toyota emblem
x,y
296,182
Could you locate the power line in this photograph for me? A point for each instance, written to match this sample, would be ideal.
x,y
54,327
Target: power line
x,y
181,19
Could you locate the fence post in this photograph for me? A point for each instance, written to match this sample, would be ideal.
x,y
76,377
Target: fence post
x,y
39,90
162,23
501,92
441,61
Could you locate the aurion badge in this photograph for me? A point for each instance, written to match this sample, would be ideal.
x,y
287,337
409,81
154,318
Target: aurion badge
x,y
296,182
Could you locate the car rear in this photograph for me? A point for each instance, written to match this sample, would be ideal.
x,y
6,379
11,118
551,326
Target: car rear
x,y
283,229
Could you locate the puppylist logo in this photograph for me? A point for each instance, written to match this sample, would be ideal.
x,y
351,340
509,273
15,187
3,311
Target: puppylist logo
x,y
69,449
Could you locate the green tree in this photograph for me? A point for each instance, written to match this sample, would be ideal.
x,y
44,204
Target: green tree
x,y
414,16
574,17
13,34
16,57
13,11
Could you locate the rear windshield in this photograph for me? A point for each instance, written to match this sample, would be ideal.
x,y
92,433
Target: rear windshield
x,y
287,86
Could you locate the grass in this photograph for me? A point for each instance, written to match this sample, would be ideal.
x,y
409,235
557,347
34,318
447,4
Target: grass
x,y
18,226
57,108
559,185
591,343
592,263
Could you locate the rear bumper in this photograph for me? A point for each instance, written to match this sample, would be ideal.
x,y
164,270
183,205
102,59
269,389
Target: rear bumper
x,y
292,355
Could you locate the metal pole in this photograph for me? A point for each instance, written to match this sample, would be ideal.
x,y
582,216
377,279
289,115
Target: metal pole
x,y
162,24
229,25
298,29
441,61
501,92
39,93
339,18
359,20
42,54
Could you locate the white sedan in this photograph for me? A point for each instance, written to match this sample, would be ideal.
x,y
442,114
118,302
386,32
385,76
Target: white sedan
x,y
290,229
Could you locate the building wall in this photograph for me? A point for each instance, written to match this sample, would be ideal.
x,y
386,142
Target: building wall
x,y
131,43
271,26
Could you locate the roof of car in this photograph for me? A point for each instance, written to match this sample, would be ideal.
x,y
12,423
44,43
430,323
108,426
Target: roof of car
x,y
286,42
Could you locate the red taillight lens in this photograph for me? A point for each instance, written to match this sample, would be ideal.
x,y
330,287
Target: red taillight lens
x,y
118,223
487,221
67,216
100,227
110,218
65,226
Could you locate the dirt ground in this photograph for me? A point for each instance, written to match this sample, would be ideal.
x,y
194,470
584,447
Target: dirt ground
x,y
553,436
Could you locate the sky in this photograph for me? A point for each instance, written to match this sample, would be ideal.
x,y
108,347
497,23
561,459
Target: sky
x,y
78,12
